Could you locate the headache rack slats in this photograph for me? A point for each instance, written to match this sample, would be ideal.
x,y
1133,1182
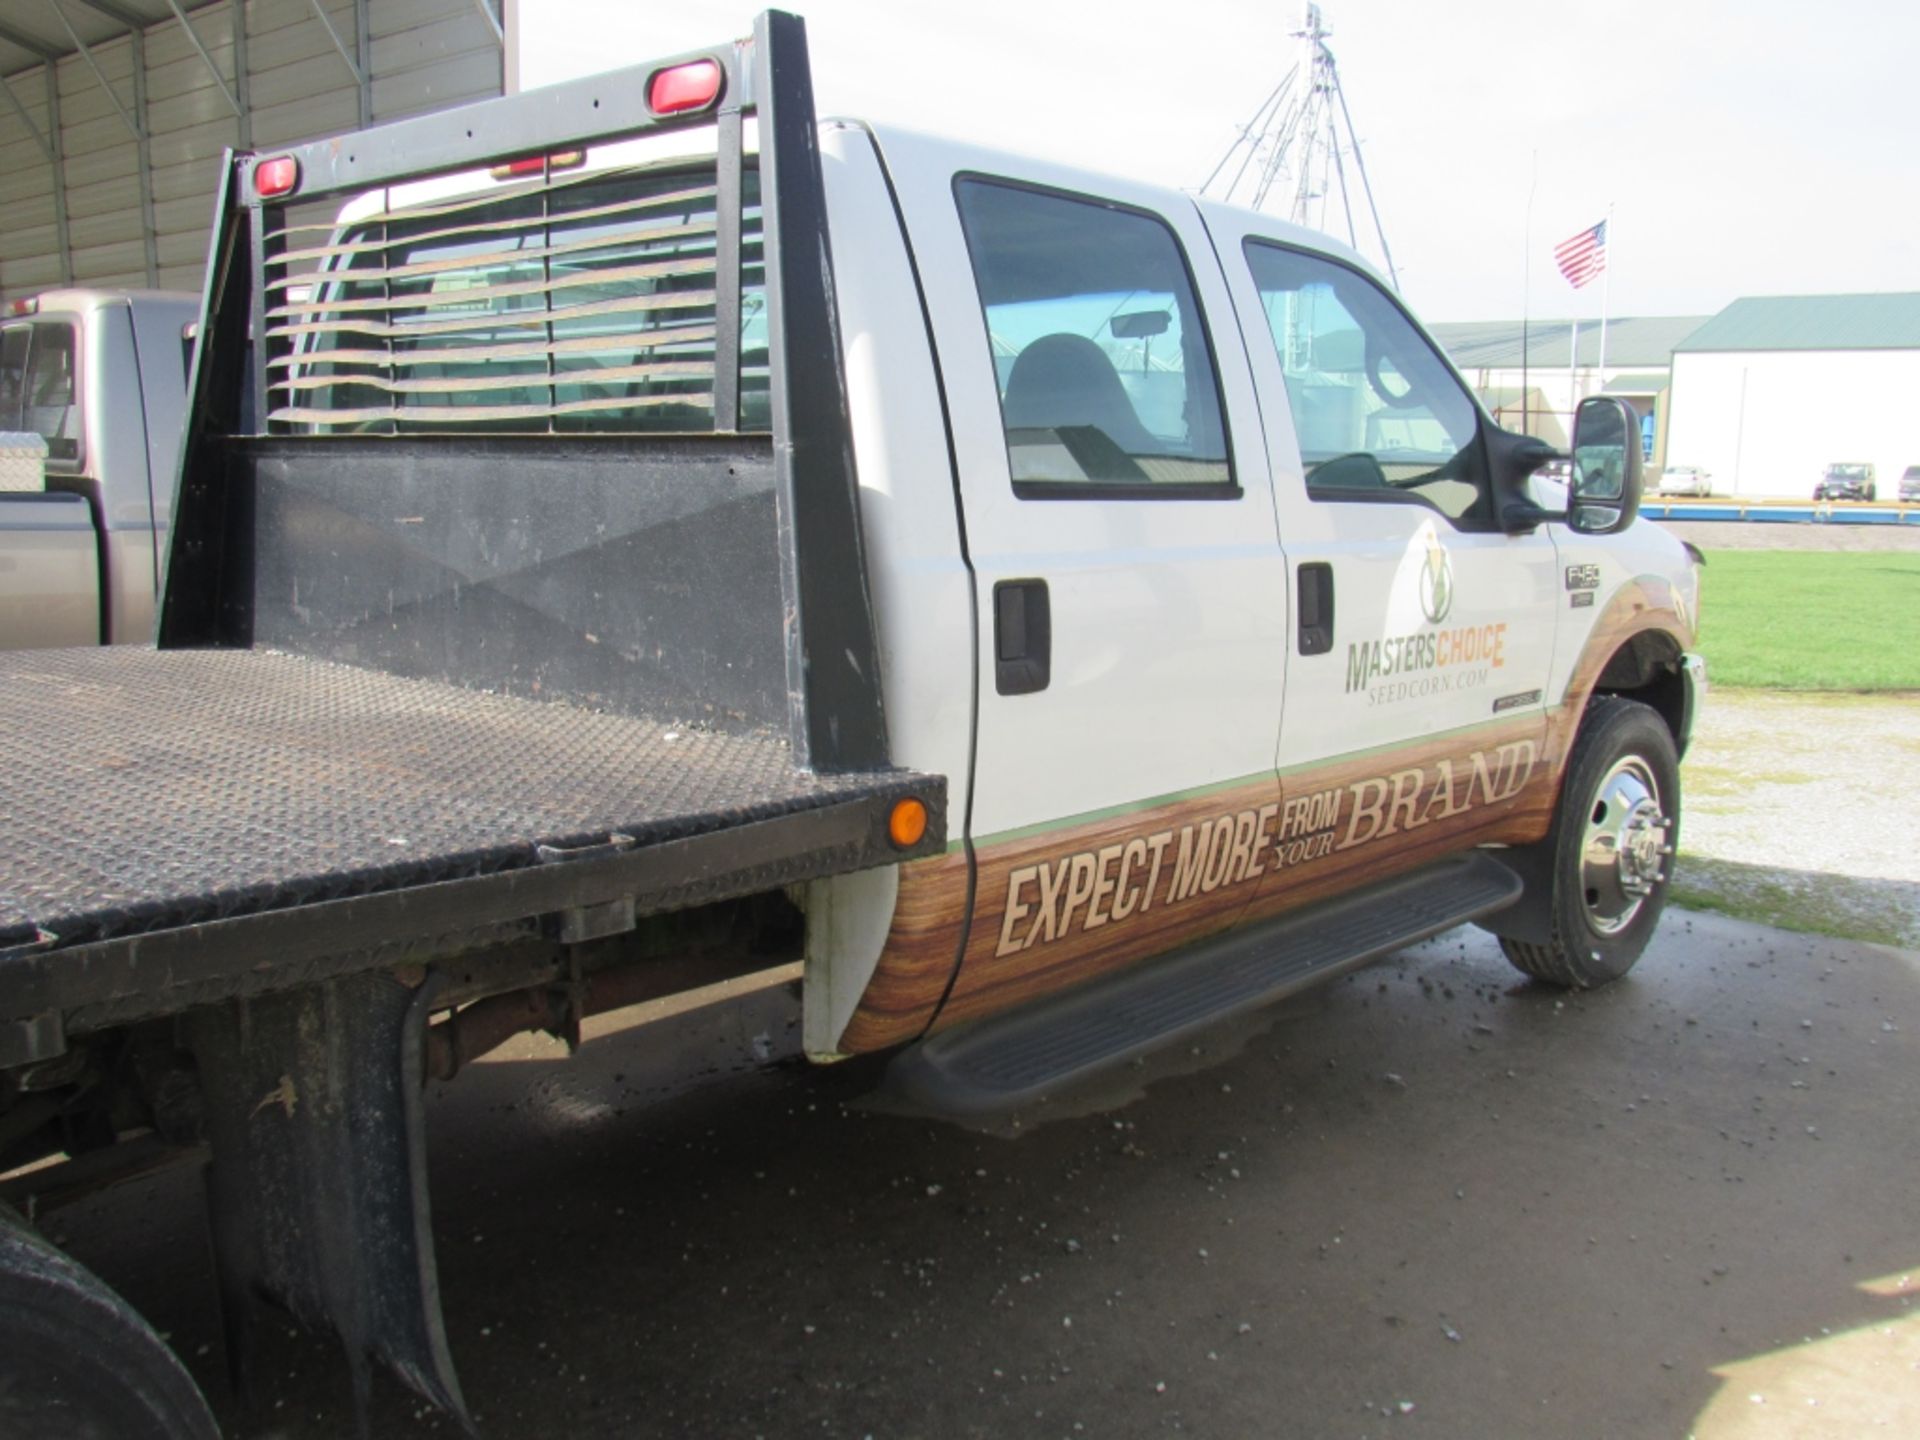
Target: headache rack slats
x,y
495,258
485,294
599,375
495,279
473,200
560,314
513,351
461,414
321,252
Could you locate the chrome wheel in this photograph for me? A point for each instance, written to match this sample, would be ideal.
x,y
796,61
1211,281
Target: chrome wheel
x,y
1626,847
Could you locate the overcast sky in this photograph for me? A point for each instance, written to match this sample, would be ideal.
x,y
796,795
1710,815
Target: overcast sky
x,y
1759,148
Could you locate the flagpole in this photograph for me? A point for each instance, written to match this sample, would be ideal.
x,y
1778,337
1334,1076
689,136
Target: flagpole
x,y
1573,373
1526,298
1606,299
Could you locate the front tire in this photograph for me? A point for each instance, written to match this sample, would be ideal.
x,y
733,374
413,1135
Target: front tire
x,y
76,1361
1610,849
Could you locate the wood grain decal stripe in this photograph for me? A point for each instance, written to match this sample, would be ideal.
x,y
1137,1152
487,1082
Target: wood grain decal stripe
x,y
1235,857
1053,910
914,968
1060,907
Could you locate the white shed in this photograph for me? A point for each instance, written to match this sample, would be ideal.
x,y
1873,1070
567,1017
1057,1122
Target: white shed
x,y
1774,389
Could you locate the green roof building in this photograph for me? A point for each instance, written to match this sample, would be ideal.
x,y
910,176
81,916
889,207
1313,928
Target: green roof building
x,y
1775,388
1530,377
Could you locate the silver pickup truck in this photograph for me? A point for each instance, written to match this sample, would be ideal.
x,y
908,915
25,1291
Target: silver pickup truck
x,y
93,389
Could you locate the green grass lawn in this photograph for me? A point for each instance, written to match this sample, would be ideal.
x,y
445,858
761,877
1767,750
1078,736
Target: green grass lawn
x,y
1797,620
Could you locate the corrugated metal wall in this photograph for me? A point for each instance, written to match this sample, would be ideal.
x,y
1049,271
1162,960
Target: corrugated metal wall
x,y
135,169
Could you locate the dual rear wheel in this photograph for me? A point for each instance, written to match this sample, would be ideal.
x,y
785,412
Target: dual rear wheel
x,y
76,1361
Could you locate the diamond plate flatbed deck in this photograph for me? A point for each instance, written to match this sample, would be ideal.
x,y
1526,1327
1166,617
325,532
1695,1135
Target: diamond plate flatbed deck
x,y
147,791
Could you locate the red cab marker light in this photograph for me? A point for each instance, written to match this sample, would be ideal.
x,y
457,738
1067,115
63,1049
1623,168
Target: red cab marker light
x,y
693,86
28,306
277,176
539,164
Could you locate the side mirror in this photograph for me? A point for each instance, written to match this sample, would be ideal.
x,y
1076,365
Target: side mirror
x,y
1605,492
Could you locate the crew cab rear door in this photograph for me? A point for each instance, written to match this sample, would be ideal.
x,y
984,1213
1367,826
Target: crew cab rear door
x,y
1129,584
1130,593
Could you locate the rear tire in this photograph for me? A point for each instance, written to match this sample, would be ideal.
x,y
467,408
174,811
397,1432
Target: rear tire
x,y
76,1361
1611,848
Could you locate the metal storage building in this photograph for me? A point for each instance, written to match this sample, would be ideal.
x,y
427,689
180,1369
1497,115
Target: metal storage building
x,y
1558,362
1775,388
114,114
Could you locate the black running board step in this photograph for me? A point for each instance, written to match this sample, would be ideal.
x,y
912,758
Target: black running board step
x,y
1007,1061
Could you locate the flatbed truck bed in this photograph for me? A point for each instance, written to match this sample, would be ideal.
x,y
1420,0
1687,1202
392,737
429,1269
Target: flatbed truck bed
x,y
169,811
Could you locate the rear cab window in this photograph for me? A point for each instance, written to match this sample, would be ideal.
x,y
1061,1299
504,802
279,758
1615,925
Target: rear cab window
x,y
39,390
1105,376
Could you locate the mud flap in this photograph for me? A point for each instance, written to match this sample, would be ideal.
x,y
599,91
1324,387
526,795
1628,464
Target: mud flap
x,y
1530,918
317,1190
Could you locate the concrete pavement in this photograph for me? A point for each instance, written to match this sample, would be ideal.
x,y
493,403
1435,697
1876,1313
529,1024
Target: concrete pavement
x,y
1430,1201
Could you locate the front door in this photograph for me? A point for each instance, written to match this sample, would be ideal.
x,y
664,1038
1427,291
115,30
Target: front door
x,y
1434,620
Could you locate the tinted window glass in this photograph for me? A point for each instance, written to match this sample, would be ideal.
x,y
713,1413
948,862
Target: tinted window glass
x,y
1099,347
13,375
38,391
1376,412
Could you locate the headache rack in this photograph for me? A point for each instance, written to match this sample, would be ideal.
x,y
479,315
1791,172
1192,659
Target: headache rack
x,y
545,291
543,396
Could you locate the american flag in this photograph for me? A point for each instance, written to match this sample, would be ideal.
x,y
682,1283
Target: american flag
x,y
1584,256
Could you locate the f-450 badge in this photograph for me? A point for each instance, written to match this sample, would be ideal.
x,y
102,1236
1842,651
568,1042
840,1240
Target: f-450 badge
x,y
1583,577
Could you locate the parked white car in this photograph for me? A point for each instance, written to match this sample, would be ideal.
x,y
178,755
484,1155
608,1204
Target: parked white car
x,y
1685,480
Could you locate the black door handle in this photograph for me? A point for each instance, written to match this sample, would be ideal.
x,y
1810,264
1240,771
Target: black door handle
x,y
1022,637
1314,605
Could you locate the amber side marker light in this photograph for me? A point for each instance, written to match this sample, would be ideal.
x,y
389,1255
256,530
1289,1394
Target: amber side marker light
x,y
277,176
907,825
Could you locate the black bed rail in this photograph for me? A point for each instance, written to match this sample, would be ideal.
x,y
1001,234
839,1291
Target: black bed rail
x,y
290,288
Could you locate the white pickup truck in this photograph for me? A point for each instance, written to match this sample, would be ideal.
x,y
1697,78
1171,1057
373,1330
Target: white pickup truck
x,y
634,534
92,394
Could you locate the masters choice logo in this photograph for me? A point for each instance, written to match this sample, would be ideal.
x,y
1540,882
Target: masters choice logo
x,y
1456,659
1427,661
